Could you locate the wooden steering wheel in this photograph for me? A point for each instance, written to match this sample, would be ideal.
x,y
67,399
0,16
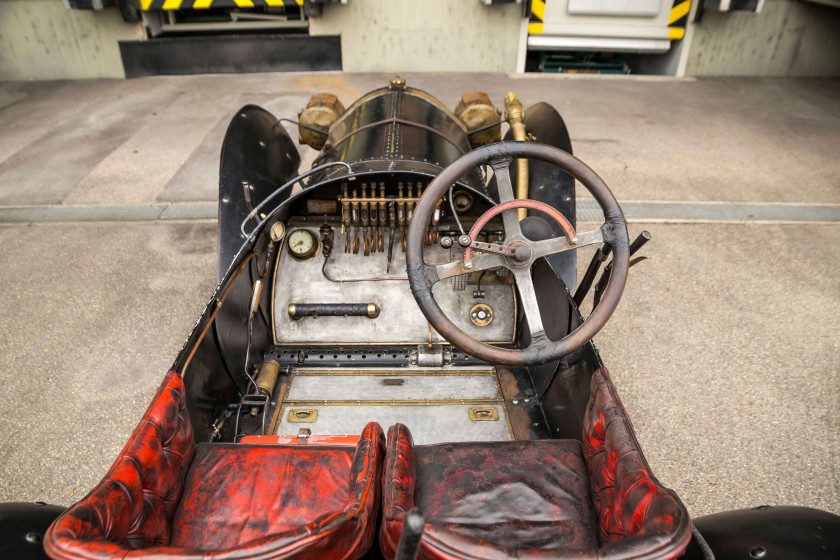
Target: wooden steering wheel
x,y
517,253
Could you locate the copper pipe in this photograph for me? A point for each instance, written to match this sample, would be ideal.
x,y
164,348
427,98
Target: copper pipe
x,y
351,280
219,301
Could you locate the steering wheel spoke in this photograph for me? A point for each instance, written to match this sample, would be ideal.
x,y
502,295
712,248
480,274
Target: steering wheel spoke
x,y
559,244
528,295
480,262
510,218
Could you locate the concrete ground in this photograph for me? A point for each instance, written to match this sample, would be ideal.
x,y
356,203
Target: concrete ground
x,y
725,346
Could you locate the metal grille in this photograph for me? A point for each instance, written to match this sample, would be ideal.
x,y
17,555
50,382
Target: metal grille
x,y
459,283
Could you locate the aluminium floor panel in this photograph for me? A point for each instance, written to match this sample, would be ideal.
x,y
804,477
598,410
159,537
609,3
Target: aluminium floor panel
x,y
437,406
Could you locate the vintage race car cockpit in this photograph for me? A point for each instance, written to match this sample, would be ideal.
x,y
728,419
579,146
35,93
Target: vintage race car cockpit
x,y
394,363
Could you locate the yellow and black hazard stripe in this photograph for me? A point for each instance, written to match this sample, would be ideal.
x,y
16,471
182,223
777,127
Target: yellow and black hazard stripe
x,y
147,5
678,19
535,24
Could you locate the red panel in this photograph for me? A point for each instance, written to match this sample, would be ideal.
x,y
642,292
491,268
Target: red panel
x,y
294,440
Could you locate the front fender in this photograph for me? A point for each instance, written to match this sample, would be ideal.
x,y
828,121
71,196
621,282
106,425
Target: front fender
x,y
257,157
769,533
22,528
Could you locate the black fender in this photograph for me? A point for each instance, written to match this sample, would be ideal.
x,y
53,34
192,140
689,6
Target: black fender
x,y
257,157
22,528
769,533
550,184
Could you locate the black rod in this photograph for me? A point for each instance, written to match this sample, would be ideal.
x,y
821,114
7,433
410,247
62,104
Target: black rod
x,y
637,244
412,533
591,271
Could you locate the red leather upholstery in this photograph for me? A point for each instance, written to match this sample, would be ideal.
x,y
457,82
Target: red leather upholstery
x,y
628,499
133,505
282,501
238,502
489,500
535,499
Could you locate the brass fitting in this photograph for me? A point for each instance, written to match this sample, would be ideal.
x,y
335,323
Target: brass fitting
x,y
515,116
476,111
322,110
267,377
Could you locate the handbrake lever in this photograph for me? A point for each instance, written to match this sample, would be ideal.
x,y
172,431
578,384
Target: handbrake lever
x,y
637,244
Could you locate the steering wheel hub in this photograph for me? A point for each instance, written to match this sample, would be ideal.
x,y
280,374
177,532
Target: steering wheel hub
x,y
521,254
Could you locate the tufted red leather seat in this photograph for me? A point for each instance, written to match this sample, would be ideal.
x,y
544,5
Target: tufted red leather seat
x,y
535,499
166,498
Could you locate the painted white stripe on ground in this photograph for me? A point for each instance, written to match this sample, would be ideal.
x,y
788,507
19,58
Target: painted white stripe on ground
x,y
587,211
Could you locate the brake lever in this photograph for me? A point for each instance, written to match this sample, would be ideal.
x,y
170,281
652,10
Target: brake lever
x,y
637,244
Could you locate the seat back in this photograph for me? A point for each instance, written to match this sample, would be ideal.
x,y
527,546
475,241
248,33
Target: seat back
x,y
628,499
132,507
131,512
636,516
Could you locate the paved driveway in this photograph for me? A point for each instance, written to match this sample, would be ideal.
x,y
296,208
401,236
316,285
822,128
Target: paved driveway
x,y
725,347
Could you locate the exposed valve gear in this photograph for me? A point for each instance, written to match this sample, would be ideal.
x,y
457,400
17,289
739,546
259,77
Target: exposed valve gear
x,y
435,234
365,220
374,219
356,222
410,205
392,222
401,214
382,217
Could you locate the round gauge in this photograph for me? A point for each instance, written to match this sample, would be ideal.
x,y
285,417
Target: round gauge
x,y
277,231
303,244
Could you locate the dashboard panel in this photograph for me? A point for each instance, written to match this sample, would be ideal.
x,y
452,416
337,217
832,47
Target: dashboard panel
x,y
487,314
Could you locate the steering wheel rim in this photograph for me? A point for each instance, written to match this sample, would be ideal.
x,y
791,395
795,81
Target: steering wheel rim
x,y
422,276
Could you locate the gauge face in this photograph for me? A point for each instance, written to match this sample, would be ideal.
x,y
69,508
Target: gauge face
x,y
302,244
277,232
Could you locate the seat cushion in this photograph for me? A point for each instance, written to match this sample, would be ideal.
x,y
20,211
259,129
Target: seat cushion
x,y
509,495
489,499
236,493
